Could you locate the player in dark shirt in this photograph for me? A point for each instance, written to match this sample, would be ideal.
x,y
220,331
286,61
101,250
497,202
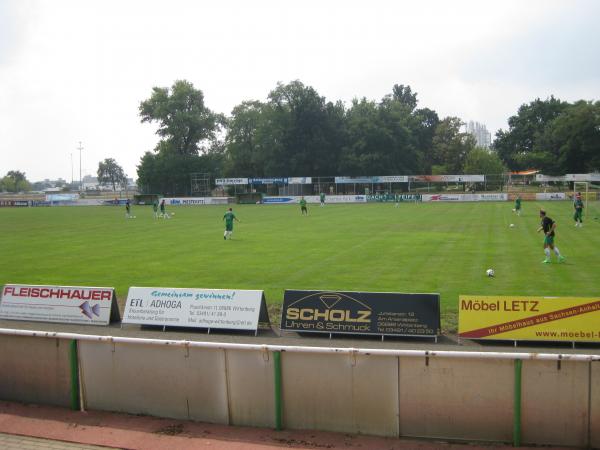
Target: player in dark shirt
x,y
578,205
548,226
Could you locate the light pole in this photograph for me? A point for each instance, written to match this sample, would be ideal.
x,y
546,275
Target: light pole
x,y
80,182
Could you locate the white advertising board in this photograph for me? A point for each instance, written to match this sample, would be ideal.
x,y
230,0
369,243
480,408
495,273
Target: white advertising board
x,y
568,177
230,181
300,180
198,308
494,197
449,178
582,177
61,304
314,199
551,196
393,179
195,201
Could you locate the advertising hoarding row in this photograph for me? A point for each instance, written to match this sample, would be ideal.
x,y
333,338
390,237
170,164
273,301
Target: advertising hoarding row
x,y
449,178
493,197
314,199
195,201
372,180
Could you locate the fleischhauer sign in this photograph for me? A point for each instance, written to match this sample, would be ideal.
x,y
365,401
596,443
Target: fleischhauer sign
x,y
372,313
61,304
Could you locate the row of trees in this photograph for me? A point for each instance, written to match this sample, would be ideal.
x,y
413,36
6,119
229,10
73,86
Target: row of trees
x,y
554,136
110,173
297,132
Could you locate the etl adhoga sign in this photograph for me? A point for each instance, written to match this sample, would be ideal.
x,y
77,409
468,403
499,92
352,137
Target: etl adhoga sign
x,y
372,313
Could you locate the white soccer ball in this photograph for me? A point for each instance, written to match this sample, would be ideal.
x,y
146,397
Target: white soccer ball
x,y
512,225
172,214
489,272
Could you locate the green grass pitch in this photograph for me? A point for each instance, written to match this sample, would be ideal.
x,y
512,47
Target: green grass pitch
x,y
439,247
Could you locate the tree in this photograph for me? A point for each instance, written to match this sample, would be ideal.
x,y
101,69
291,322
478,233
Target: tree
x,y
305,131
184,121
243,145
389,137
571,142
16,181
517,146
404,95
110,173
481,161
296,132
451,146
186,127
425,122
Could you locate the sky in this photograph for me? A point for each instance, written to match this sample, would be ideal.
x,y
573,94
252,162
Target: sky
x,y
76,71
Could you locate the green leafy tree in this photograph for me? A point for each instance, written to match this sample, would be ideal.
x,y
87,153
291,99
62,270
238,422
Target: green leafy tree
x,y
451,146
296,132
517,146
304,129
190,139
425,122
16,181
111,173
480,161
244,147
183,119
571,142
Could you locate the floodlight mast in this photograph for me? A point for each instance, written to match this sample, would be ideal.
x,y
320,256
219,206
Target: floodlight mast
x,y
80,180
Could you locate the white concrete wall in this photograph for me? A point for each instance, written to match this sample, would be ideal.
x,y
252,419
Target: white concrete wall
x,y
386,395
35,370
595,405
456,398
340,393
555,403
155,380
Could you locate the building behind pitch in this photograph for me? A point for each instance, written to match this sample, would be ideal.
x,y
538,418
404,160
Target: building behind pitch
x,y
480,133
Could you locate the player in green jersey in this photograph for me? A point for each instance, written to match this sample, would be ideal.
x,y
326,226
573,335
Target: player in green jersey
x,y
303,209
155,208
322,198
578,205
229,217
549,225
518,205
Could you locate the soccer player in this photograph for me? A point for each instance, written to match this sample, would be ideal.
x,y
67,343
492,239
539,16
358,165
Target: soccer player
x,y
518,205
229,217
303,209
163,213
128,209
155,208
549,225
578,205
322,197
